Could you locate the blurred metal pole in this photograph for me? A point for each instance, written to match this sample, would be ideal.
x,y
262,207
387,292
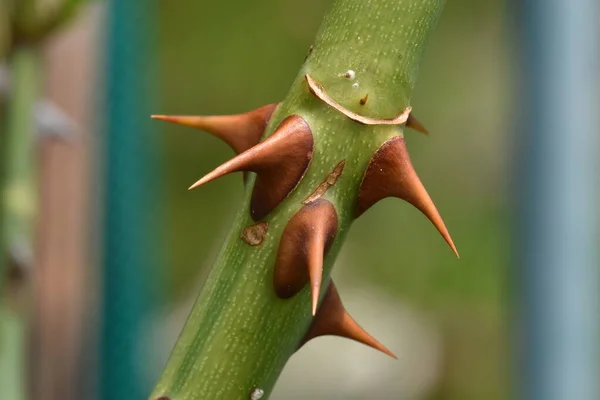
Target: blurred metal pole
x,y
559,198
131,219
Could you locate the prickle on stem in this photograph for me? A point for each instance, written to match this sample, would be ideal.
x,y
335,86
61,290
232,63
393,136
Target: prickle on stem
x,y
239,131
333,319
414,123
390,174
279,162
305,241
363,100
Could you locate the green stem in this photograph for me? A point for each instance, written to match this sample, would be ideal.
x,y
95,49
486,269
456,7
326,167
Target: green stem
x,y
12,355
239,334
18,191
18,204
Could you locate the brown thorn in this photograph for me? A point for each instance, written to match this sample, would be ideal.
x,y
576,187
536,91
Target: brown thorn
x,y
317,89
363,101
413,123
327,183
279,162
306,239
391,174
314,249
239,131
333,319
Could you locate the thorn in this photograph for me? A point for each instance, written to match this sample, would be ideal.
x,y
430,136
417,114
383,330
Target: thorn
x,y
413,123
363,101
391,174
333,319
315,247
239,131
306,240
279,162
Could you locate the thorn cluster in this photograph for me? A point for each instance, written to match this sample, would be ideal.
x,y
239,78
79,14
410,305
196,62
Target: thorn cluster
x,y
280,162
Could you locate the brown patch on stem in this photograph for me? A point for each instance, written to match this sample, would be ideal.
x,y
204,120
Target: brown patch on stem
x,y
414,124
330,181
363,101
306,240
280,162
390,174
333,319
255,234
318,90
240,131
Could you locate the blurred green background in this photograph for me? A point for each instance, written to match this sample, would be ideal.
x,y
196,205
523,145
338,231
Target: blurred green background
x,y
229,57
446,318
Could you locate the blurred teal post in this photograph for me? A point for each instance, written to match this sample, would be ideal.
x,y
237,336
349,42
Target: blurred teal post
x,y
131,221
558,195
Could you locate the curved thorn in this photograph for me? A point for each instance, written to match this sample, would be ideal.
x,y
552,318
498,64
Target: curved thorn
x,y
333,319
280,162
269,153
239,131
414,124
390,174
315,249
305,241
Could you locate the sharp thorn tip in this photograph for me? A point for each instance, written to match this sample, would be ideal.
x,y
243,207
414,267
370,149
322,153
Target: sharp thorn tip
x,y
315,300
196,184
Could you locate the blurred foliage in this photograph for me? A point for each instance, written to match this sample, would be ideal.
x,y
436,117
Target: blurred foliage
x,y
31,21
229,57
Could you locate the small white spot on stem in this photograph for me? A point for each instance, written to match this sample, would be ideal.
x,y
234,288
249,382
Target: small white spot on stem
x,y
350,74
257,394
355,85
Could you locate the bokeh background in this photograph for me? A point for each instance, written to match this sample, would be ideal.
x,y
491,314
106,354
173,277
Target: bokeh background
x,y
135,245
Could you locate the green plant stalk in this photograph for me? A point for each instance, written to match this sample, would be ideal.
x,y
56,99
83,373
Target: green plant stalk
x,y
239,334
12,355
19,193
18,205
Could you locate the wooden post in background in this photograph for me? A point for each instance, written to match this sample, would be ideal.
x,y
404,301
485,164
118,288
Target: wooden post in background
x,y
63,289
